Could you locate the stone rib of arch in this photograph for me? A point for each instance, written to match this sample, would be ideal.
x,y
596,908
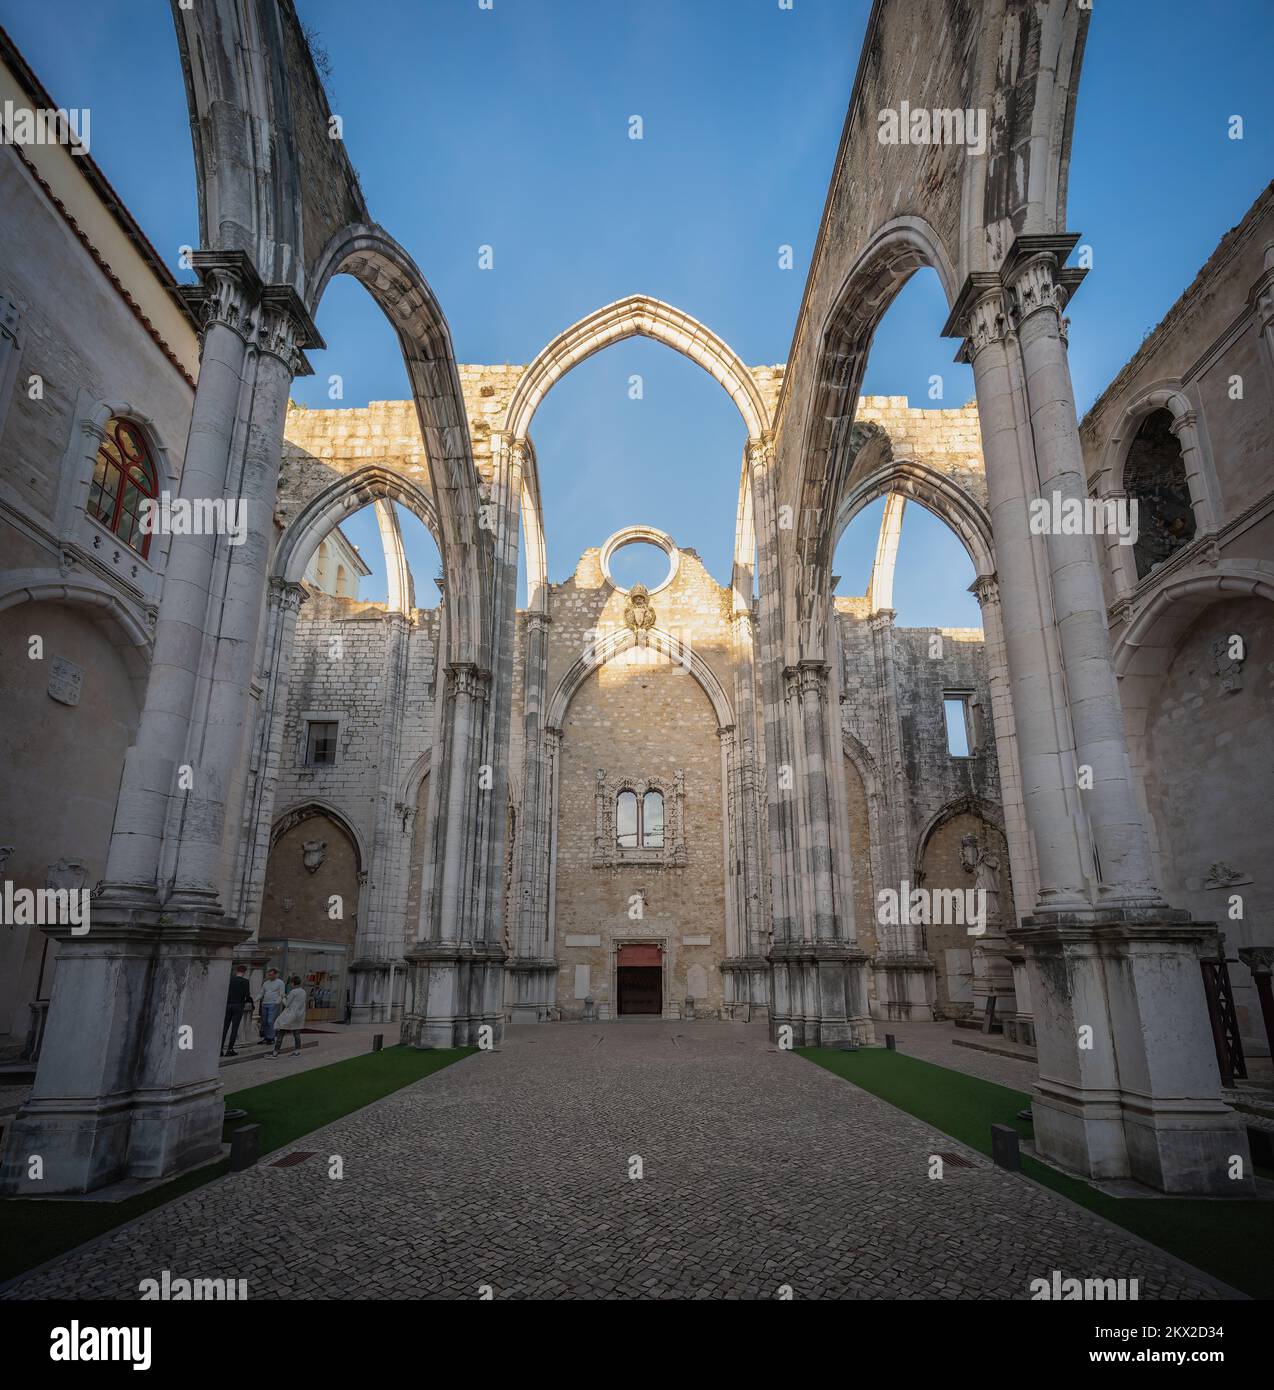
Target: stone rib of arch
x,y
619,641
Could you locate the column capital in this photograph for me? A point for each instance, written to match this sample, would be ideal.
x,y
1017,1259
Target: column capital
x,y
1035,277
536,621
287,593
882,619
760,451
986,589
272,318
285,328
1184,422
467,678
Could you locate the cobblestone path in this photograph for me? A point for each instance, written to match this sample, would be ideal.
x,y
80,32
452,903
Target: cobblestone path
x,y
511,1170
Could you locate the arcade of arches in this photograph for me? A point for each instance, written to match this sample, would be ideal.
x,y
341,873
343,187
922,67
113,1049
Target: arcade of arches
x,y
583,800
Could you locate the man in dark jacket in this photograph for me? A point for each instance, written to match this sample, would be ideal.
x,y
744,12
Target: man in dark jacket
x,y
237,1001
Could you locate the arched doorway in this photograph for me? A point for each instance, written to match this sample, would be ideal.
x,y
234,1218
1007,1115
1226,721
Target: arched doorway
x,y
309,918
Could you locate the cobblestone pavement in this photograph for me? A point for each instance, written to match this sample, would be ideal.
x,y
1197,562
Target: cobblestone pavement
x,y
511,1170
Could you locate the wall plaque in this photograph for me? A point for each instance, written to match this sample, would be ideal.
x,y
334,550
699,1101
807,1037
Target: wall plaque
x,y
65,681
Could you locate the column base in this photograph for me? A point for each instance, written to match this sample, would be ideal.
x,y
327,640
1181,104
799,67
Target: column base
x,y
746,981
820,995
456,995
1129,1085
904,988
127,1085
532,988
371,980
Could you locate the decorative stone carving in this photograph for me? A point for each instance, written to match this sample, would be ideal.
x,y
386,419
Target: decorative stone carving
x,y
313,852
1258,959
1221,875
5,852
1227,666
639,616
984,864
608,854
66,680
65,874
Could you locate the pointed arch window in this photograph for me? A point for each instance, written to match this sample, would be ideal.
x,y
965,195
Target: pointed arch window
x,y
640,820
626,820
652,820
124,478
1155,478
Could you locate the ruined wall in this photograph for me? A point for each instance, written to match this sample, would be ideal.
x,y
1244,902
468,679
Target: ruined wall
x,y
62,766
297,899
640,716
1210,769
950,944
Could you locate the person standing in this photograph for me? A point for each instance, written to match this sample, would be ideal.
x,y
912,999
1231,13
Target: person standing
x,y
238,998
272,993
292,1019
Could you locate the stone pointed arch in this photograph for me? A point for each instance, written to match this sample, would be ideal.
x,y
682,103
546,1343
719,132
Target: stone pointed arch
x,y
829,448
373,258
306,809
339,500
936,492
256,102
637,316
124,627
619,641
988,811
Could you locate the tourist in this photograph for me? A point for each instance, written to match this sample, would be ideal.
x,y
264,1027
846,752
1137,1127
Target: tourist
x,y
238,999
272,993
292,1019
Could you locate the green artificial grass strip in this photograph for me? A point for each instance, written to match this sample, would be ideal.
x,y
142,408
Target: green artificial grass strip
x,y
32,1231
1231,1240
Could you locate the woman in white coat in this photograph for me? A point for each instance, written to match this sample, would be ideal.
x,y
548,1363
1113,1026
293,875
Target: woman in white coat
x,y
291,1019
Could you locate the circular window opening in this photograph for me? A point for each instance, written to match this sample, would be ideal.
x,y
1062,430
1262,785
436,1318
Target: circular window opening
x,y
640,562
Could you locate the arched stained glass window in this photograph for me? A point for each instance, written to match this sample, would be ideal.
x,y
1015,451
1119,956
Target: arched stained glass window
x,y
626,820
124,476
652,820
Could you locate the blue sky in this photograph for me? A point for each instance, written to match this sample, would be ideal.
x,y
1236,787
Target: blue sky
x,y
509,127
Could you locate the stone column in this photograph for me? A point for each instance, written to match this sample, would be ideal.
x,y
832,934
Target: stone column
x,y
128,1085
824,998
747,972
376,946
993,971
1036,295
904,968
283,609
534,971
454,955
1128,1083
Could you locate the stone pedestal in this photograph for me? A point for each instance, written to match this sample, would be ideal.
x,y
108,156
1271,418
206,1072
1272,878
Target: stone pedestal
x,y
993,974
746,981
373,985
128,1085
454,990
1128,1082
820,992
904,987
1019,1027
532,990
